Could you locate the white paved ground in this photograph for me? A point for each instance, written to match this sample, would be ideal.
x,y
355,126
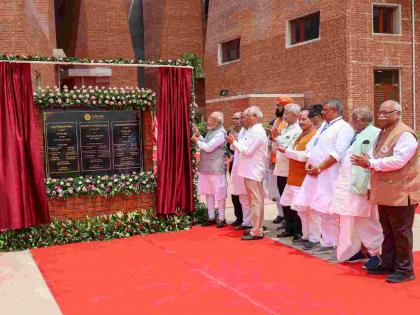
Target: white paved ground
x,y
22,288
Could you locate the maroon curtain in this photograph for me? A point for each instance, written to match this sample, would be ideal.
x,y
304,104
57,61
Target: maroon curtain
x,y
174,175
23,200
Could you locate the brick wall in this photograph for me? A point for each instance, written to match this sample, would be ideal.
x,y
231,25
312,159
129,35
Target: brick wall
x,y
367,52
340,64
266,65
103,32
171,28
80,207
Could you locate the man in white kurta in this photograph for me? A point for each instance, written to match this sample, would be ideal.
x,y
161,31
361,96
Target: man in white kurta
x,y
238,185
212,168
324,160
253,156
359,220
285,139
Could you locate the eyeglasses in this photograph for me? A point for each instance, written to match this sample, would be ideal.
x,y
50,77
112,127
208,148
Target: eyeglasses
x,y
385,113
236,118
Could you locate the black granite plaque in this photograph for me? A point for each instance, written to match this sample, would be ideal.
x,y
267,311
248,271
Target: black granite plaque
x,y
126,150
92,142
61,151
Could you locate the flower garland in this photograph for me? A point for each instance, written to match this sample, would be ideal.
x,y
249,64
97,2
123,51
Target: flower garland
x,y
95,97
105,185
120,61
106,227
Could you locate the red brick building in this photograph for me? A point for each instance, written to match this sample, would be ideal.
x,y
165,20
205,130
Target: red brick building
x,y
357,51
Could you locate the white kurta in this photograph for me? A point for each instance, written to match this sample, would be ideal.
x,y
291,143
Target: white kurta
x,y
332,139
237,182
212,184
289,195
253,149
345,202
285,139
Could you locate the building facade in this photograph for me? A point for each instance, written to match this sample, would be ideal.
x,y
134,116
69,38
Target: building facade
x,y
359,51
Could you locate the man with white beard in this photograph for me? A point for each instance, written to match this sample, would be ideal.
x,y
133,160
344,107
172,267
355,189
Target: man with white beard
x,y
324,159
212,167
359,220
237,182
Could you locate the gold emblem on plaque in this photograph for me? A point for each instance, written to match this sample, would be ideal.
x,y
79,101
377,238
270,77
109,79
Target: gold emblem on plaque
x,y
87,117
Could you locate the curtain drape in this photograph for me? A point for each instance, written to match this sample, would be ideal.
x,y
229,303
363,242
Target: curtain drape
x,y
174,174
23,200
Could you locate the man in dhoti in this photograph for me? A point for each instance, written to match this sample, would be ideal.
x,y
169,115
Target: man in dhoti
x,y
212,167
325,153
395,188
237,186
359,220
295,226
253,149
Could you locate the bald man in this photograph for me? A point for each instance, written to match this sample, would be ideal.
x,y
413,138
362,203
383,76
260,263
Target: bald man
x,y
395,188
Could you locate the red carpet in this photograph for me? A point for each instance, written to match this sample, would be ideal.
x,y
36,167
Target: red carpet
x,y
210,271
418,210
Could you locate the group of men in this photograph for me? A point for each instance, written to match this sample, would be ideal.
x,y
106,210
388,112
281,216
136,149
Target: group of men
x,y
345,188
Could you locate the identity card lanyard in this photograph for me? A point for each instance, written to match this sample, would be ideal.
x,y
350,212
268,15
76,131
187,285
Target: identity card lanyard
x,y
323,129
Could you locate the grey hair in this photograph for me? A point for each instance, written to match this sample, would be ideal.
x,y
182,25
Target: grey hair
x,y
364,114
394,104
336,103
238,114
294,108
218,116
254,110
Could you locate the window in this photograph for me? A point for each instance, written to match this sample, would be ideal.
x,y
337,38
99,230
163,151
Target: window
x,y
230,50
386,19
304,29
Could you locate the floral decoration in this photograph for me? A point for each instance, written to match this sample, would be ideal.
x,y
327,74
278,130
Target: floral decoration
x,y
120,61
101,185
95,98
106,227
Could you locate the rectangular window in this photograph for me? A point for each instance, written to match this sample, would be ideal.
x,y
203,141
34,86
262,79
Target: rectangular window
x,y
386,19
230,50
304,29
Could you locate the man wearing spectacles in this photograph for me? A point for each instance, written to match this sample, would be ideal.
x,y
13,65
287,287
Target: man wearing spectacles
x,y
395,188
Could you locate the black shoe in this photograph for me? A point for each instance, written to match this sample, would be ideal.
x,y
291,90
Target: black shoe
x,y
221,224
380,271
359,256
236,223
209,222
309,245
264,228
250,237
246,232
284,234
278,220
296,237
243,227
300,241
397,277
